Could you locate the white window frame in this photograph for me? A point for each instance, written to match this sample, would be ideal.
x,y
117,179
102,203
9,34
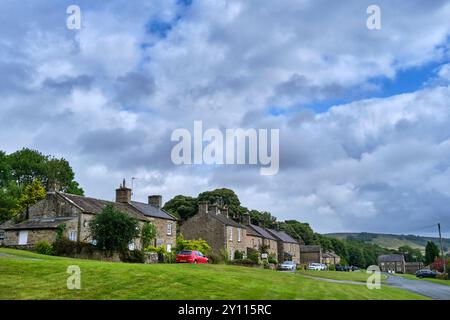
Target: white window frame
x,y
230,238
132,246
239,234
169,229
72,235
2,234
169,247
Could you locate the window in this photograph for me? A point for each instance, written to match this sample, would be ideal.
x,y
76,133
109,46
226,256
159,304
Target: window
x,y
131,246
94,242
2,234
231,233
73,235
169,229
169,247
239,234
23,237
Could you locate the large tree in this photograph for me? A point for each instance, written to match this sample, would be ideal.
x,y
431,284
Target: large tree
x,y
411,254
113,230
182,207
32,193
431,252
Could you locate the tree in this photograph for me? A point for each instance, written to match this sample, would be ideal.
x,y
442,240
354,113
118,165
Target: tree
x,y
182,207
226,197
32,193
411,254
113,230
431,252
148,234
298,230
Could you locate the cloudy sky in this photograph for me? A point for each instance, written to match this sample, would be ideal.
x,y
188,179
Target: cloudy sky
x,y
364,115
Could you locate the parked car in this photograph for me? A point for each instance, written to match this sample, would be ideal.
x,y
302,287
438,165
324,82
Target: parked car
x,y
288,265
191,256
425,273
317,266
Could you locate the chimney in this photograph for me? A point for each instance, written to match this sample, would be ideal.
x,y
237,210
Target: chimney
x,y
123,194
225,211
214,209
246,219
155,200
261,223
203,207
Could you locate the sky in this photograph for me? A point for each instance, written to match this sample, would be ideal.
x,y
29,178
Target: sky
x,y
364,115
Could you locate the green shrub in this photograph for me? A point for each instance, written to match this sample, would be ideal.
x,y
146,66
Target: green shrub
x,y
196,245
43,247
272,259
243,262
132,256
442,276
170,257
64,247
332,267
253,255
238,255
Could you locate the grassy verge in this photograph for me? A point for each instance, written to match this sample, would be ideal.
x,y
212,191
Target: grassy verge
x,y
27,275
360,276
413,277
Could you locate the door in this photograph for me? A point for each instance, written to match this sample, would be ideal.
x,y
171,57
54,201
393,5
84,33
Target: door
x,y
23,237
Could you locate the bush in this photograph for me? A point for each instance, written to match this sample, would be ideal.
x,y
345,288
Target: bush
x,y
196,245
43,247
253,255
170,257
238,255
272,259
243,262
64,247
132,256
442,276
332,267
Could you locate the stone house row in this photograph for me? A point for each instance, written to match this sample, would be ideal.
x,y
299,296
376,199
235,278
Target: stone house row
x,y
75,213
222,233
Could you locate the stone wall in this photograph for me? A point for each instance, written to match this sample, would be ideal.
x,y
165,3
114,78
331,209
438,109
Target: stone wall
x,y
235,244
12,237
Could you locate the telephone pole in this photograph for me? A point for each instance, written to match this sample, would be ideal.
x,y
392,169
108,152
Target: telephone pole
x,y
442,247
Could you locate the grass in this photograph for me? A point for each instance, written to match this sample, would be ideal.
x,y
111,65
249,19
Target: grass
x,y
360,276
26,275
413,277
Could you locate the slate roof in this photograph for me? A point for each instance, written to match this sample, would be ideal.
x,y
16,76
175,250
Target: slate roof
x,y
391,258
260,232
42,223
283,236
135,209
226,221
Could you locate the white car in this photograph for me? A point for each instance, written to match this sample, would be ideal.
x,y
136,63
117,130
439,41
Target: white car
x,y
317,266
288,265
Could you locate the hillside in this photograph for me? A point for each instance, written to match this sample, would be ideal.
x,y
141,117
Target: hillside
x,y
391,241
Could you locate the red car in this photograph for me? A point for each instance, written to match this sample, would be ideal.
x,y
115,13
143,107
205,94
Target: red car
x,y
191,256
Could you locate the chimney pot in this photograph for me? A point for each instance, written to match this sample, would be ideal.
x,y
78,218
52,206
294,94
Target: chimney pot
x,y
155,200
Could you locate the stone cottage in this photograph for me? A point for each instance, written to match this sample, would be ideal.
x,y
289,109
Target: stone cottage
x,y
392,263
257,236
75,212
331,258
213,225
288,248
311,254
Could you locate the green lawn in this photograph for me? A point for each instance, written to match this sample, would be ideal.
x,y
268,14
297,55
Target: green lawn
x,y
413,277
359,276
25,275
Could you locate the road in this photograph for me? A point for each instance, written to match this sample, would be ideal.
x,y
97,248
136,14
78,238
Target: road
x,y
423,287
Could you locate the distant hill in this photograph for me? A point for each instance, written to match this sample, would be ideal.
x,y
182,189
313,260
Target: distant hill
x,y
392,241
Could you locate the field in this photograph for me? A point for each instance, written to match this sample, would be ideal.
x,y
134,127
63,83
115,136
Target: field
x,y
26,275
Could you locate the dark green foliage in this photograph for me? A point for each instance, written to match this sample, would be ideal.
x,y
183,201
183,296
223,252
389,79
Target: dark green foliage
x,y
411,254
43,247
431,252
299,231
264,218
148,234
21,168
238,255
65,247
132,256
113,230
253,255
182,207
244,262
223,196
60,228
